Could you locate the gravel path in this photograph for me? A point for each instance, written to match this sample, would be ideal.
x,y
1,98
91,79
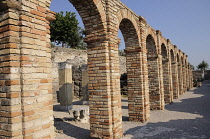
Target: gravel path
x,y
186,118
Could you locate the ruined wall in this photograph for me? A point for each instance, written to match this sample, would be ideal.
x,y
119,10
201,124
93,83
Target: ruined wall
x,y
197,74
26,69
207,75
77,58
60,54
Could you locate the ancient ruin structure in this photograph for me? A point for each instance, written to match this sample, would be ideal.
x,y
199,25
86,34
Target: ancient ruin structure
x,y
157,70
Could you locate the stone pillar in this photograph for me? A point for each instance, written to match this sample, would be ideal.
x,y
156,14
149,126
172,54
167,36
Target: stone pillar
x,y
11,116
100,99
65,86
161,86
184,78
191,78
144,71
180,79
187,77
167,57
168,95
156,91
85,92
175,80
26,80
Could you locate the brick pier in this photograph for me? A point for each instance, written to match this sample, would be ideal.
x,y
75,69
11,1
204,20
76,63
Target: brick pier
x,y
157,70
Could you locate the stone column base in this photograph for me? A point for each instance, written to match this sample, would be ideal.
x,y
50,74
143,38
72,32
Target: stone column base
x,y
65,108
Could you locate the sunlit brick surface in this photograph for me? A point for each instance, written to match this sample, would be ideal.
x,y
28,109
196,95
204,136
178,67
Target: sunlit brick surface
x,y
156,74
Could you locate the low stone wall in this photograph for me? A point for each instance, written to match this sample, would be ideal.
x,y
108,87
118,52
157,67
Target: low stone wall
x,y
77,58
207,75
197,74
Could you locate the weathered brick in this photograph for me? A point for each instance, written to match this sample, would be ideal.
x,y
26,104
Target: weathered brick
x,y
26,59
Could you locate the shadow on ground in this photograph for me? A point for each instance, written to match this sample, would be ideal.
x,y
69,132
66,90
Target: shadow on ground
x,y
182,127
64,127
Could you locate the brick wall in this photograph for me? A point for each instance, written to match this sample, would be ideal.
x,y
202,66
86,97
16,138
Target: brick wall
x,y
26,68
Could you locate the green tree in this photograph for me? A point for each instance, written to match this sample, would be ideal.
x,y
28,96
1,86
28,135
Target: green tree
x,y
203,65
192,67
65,31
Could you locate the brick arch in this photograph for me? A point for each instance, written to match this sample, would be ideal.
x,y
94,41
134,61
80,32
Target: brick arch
x,y
153,33
94,19
155,89
185,61
163,41
128,25
92,13
166,68
164,51
178,58
127,22
29,82
129,33
172,56
151,45
182,60
175,74
127,14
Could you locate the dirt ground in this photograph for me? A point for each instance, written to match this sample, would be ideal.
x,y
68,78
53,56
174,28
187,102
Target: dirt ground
x,y
186,118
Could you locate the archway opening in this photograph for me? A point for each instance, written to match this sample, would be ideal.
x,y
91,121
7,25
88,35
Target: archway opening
x,y
123,76
133,63
126,28
168,96
153,74
75,56
90,19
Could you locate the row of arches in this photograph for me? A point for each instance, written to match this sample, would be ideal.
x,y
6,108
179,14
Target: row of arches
x,y
157,71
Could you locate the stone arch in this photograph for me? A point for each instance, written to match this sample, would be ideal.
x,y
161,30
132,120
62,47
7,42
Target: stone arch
x,y
32,43
28,81
164,51
172,56
155,91
152,34
151,46
167,78
102,85
178,58
130,34
182,60
93,16
127,23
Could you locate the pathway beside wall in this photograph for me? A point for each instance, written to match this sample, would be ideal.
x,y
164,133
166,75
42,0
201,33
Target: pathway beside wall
x,y
187,117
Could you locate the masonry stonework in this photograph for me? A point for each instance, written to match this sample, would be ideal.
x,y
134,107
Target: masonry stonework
x,y
26,75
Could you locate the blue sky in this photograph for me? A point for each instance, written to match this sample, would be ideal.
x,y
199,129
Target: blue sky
x,y
185,22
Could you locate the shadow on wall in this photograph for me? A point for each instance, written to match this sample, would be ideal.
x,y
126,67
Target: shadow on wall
x,y
185,126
